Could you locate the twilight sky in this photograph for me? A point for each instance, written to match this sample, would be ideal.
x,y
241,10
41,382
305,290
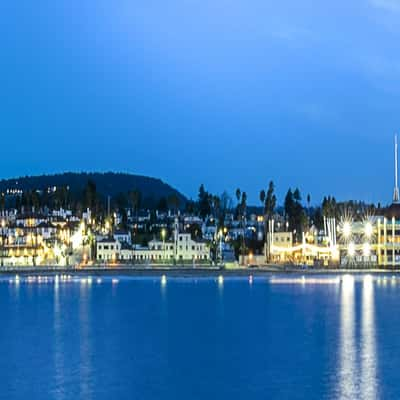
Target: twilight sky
x,y
225,92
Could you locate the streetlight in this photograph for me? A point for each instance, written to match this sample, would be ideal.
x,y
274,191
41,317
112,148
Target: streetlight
x,y
368,229
16,239
346,229
220,243
351,250
366,249
3,237
163,234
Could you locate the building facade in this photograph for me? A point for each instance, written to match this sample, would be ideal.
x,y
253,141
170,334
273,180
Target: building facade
x,y
183,248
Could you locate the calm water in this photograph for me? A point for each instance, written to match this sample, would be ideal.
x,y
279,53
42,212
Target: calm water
x,y
313,338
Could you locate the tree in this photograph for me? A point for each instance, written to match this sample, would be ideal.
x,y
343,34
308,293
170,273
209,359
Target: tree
x,y
18,203
238,192
289,205
225,205
204,201
294,212
2,202
162,204
270,200
173,202
262,197
63,196
124,218
90,195
242,214
190,207
297,195
135,198
243,203
318,218
216,208
121,200
309,207
35,200
329,207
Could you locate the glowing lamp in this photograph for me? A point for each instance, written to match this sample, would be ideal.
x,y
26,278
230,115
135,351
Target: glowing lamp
x,y
351,250
368,229
366,249
346,229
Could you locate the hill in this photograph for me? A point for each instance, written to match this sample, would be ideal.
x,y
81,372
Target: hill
x,y
107,184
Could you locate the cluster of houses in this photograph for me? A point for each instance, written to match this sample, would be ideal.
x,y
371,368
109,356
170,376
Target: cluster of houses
x,y
180,246
58,237
61,238
37,238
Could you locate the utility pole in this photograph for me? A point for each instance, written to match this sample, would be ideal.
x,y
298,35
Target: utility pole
x,y
396,186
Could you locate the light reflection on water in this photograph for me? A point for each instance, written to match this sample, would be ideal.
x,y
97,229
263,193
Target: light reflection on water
x,y
357,369
85,343
347,367
58,344
368,347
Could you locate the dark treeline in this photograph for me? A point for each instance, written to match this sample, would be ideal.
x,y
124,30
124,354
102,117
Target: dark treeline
x,y
89,198
106,184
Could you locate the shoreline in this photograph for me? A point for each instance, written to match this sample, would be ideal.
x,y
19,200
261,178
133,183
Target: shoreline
x,y
173,271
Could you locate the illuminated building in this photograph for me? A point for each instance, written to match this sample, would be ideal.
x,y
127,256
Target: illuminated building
x,y
281,249
374,241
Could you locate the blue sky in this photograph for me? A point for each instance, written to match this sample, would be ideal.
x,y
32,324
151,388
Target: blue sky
x,y
225,93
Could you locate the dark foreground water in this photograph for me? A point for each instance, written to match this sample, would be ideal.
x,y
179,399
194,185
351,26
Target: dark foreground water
x,y
281,337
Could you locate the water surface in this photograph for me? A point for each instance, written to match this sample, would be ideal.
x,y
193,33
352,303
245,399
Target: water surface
x,y
325,337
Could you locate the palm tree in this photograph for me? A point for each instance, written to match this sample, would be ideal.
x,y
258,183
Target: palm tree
x,y
238,192
270,204
270,200
262,197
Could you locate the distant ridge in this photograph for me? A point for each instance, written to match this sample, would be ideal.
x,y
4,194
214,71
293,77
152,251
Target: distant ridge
x,y
107,184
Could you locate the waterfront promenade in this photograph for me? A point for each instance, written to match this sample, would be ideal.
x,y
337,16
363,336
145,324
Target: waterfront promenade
x,y
188,270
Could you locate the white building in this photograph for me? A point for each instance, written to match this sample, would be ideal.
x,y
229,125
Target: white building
x,y
183,248
108,250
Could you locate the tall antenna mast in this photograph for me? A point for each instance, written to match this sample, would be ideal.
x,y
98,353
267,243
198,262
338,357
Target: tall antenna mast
x,y
396,186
